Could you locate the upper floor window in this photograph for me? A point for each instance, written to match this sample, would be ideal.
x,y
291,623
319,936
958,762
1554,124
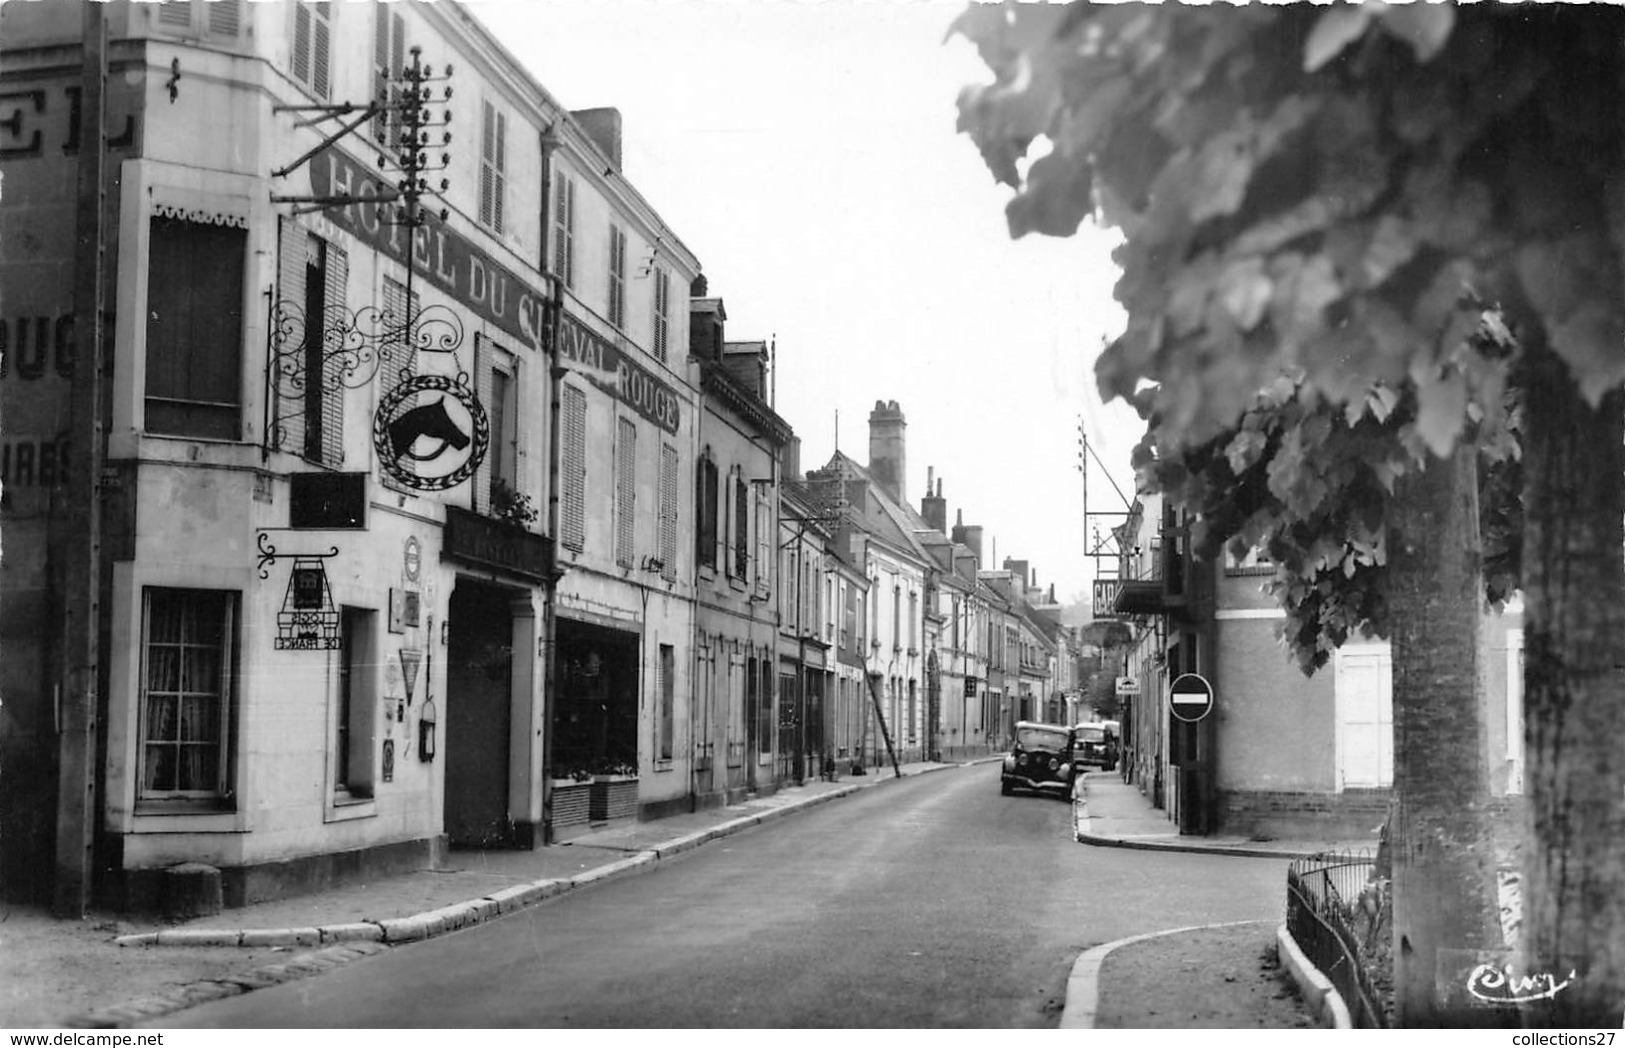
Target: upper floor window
x,y
662,313
564,230
741,551
313,46
195,328
668,511
493,165
626,491
388,62
223,18
705,517
617,276
573,469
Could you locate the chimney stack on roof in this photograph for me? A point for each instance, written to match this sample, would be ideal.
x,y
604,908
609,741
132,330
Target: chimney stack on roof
x,y
888,464
603,126
933,507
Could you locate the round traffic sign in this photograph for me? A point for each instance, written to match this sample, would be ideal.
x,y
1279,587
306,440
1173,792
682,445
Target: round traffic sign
x,y
1190,697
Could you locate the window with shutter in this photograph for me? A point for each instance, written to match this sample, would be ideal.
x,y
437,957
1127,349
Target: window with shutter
x,y
326,270
225,17
564,231
573,469
312,46
668,511
617,276
667,690
705,513
493,147
662,320
217,18
396,353
388,63
195,329
741,528
626,488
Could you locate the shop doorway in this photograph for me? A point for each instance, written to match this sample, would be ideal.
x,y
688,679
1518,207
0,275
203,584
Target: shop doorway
x,y
479,687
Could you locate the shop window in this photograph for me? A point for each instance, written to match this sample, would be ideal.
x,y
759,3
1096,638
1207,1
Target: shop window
x,y
626,489
668,701
357,699
617,276
187,639
573,469
493,165
564,230
313,46
668,511
195,329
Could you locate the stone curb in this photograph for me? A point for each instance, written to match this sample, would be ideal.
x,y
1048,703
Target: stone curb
x,y
1083,834
193,994
1318,992
1083,984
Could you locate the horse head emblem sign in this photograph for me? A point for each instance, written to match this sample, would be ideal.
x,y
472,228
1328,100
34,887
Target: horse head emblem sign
x,y
430,432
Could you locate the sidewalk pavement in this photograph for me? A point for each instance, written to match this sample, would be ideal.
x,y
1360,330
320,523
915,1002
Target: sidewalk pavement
x,y
74,973
1111,812
1241,975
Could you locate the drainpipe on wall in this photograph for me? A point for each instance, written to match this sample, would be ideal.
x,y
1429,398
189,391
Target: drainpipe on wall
x,y
550,585
77,799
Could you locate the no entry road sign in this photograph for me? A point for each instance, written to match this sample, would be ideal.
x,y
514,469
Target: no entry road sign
x,y
1191,697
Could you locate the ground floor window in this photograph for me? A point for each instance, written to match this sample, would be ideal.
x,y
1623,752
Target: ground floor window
x,y
187,651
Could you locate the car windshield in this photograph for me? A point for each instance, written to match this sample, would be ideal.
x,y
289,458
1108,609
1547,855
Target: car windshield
x,y
1032,738
1091,734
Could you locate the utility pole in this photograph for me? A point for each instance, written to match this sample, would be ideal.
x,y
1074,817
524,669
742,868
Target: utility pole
x,y
81,653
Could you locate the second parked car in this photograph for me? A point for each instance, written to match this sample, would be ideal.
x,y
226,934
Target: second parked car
x,y
1094,744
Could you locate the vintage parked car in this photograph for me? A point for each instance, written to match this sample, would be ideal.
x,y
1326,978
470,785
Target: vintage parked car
x,y
1041,759
1095,743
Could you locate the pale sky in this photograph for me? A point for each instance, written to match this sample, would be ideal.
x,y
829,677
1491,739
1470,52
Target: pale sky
x,y
806,152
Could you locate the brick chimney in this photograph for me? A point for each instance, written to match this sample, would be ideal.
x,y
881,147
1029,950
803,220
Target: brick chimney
x,y
603,126
887,462
933,507
706,320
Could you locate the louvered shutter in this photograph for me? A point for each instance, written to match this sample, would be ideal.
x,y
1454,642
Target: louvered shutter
x,y
668,511
293,251
499,166
626,481
564,220
225,17
301,43
573,469
320,51
662,307
338,271
742,524
176,14
487,144
381,71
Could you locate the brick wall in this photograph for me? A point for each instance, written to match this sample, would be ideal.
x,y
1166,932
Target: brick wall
x,y
1352,814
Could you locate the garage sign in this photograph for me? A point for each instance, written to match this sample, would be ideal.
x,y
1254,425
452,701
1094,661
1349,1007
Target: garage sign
x,y
1127,687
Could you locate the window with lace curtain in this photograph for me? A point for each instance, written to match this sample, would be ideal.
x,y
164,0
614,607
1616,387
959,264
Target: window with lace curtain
x,y
185,710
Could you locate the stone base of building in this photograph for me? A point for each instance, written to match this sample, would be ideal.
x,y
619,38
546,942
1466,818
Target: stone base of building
x,y
1281,814
680,805
142,890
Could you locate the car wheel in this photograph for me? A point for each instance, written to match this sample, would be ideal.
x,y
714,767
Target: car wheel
x,y
1005,787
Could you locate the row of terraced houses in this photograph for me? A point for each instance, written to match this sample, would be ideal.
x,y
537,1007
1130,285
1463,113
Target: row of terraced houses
x,y
348,516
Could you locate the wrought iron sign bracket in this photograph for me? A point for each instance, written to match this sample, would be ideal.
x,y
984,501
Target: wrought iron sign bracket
x,y
269,555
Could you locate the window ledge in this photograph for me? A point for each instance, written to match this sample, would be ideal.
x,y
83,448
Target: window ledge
x,y
181,820
343,808
664,765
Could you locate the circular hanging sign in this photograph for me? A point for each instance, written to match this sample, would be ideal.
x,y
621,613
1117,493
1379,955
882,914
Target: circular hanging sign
x,y
412,559
1190,697
430,432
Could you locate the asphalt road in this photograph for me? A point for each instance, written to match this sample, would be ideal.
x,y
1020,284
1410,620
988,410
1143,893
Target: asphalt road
x,y
927,902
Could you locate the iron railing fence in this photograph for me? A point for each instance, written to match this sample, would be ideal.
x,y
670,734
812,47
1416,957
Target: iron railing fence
x,y
1328,906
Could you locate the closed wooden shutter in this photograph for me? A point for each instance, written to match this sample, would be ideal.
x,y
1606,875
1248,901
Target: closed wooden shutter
x,y
741,528
626,486
564,224
176,14
573,469
333,388
668,511
195,328
225,17
493,147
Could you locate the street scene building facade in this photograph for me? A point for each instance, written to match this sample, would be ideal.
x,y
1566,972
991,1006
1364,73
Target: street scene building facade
x,y
429,505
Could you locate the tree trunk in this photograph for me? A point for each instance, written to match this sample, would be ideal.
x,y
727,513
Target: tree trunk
x,y
1440,841
1574,697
